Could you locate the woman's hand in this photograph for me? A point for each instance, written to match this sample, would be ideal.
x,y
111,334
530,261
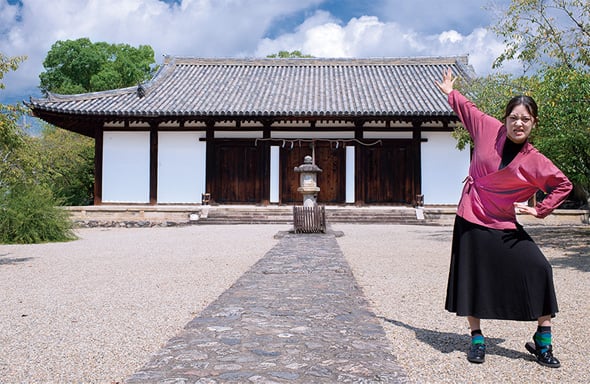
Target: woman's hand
x,y
523,208
446,86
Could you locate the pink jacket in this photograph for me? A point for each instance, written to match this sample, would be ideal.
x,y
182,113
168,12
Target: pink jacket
x,y
488,195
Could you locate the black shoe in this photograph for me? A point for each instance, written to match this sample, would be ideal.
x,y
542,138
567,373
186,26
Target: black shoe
x,y
477,353
545,358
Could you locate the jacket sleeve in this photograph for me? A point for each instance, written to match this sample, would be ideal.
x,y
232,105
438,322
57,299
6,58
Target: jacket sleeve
x,y
472,118
553,182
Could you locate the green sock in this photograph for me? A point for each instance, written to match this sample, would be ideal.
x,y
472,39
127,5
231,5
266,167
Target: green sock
x,y
477,337
542,338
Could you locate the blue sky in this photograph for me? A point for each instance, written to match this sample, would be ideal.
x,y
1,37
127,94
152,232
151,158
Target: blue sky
x,y
250,28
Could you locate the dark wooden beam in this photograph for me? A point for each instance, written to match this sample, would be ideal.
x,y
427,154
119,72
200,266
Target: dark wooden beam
x,y
98,148
417,161
264,167
211,167
154,164
359,198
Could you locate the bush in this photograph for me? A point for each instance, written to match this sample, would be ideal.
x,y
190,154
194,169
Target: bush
x,y
29,214
67,165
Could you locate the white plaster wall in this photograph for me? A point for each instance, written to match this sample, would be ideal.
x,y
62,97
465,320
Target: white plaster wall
x,y
444,168
181,167
350,174
126,167
274,173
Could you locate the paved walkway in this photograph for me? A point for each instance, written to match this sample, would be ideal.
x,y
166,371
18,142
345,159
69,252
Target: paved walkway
x,y
297,316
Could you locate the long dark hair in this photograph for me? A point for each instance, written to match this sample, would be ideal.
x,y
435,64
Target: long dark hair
x,y
528,103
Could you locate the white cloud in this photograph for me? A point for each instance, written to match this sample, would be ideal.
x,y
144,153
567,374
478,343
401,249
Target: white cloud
x,y
220,28
195,28
368,37
450,37
361,37
8,15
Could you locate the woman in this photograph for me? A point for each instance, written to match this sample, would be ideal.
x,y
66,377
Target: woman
x,y
497,271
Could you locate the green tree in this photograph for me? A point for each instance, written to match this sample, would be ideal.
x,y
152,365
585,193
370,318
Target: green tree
x,y
79,66
289,55
68,164
28,210
563,132
8,64
546,32
15,161
13,164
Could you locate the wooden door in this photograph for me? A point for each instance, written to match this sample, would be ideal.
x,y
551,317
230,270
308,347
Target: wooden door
x,y
236,174
332,179
386,173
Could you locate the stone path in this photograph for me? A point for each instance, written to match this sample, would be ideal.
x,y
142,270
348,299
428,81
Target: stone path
x,y
297,316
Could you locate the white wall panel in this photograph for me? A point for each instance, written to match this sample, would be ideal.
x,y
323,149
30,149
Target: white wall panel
x,y
350,174
444,168
181,167
274,173
126,167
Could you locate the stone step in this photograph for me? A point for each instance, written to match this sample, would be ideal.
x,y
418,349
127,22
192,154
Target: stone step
x,y
162,215
397,215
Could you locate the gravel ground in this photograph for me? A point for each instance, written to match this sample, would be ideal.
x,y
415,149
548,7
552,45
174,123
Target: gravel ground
x,y
95,309
403,272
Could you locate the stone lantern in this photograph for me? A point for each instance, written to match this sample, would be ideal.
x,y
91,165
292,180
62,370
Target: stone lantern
x,y
308,181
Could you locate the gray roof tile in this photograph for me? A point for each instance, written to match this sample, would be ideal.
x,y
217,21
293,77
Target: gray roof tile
x,y
193,87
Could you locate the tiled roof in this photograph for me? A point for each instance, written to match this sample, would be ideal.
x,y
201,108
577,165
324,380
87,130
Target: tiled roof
x,y
196,87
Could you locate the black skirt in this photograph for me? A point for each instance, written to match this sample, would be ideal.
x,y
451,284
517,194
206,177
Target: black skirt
x,y
498,274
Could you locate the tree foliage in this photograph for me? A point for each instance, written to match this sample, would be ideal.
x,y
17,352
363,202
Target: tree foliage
x,y
8,64
79,66
28,209
68,165
289,55
546,32
16,160
563,132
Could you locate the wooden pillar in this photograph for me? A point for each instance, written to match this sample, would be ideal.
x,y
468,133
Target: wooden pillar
x,y
417,160
210,166
265,164
153,163
98,148
359,195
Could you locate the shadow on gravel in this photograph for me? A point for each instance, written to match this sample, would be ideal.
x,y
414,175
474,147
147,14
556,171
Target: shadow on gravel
x,y
446,342
443,236
10,261
574,242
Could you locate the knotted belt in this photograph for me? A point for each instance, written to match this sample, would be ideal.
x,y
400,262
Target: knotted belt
x,y
468,181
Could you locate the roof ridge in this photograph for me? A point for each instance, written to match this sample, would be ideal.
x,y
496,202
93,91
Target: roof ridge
x,y
417,60
84,96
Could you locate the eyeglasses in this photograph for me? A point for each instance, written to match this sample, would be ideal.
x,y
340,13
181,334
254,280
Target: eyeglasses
x,y
524,119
